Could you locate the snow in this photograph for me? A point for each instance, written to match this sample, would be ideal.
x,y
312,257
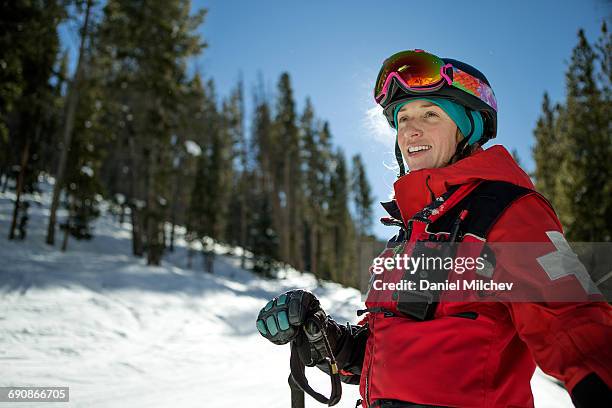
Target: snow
x,y
193,148
119,333
87,171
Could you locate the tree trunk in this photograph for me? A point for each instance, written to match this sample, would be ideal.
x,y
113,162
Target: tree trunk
x,y
286,214
314,246
171,248
135,212
189,256
6,179
208,257
67,230
71,104
173,209
154,241
122,214
66,233
243,226
25,155
137,248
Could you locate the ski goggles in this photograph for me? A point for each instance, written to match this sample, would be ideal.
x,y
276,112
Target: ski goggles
x,y
421,72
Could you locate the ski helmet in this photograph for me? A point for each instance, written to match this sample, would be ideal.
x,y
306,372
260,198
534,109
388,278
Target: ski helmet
x,y
416,74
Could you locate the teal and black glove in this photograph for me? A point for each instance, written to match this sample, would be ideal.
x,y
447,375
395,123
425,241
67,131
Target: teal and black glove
x,y
281,319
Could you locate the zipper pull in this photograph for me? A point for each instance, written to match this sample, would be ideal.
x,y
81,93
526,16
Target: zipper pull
x,y
462,216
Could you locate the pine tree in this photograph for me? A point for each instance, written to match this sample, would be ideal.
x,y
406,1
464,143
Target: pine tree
x,y
30,45
207,212
287,173
341,231
71,105
362,197
546,153
264,240
324,169
263,229
603,49
29,34
262,145
147,48
244,183
314,194
187,143
233,113
85,156
366,245
584,176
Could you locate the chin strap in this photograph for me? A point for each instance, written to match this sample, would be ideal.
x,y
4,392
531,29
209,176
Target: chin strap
x,y
399,158
463,144
298,370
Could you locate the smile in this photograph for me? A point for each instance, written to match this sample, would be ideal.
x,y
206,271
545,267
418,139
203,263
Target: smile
x,y
416,149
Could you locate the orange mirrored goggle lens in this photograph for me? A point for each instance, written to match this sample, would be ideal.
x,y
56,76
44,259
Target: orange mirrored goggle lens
x,y
417,69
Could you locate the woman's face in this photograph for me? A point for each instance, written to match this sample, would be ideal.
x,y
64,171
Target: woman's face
x,y
427,136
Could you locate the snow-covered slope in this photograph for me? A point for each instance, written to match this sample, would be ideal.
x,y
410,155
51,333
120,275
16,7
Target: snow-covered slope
x,y
121,334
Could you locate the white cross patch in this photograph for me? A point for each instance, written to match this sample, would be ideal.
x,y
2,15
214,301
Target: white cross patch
x,y
564,262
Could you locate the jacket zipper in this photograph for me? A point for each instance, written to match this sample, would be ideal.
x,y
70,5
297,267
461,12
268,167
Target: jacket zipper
x,y
367,396
368,378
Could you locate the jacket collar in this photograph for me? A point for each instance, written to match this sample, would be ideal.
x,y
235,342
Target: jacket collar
x,y
392,209
417,189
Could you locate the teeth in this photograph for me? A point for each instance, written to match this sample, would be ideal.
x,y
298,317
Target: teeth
x,y
413,149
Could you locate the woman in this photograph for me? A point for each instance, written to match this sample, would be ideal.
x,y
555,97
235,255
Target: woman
x,y
420,347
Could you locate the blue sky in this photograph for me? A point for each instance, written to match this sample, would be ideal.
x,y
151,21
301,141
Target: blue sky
x,y
333,50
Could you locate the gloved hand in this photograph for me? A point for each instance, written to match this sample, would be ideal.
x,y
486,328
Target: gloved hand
x,y
281,320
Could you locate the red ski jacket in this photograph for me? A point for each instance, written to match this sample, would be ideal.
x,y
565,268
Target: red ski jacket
x,y
475,353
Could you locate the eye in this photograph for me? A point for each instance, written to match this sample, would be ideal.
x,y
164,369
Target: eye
x,y
430,114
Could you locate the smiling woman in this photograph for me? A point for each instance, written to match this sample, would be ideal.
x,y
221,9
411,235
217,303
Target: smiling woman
x,y
411,349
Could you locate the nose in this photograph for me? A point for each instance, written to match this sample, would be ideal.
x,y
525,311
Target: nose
x,y
409,132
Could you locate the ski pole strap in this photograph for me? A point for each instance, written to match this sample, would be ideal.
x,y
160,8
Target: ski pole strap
x,y
298,372
297,394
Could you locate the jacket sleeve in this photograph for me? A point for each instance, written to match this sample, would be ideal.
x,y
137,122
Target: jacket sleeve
x,y
570,341
350,352
348,345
